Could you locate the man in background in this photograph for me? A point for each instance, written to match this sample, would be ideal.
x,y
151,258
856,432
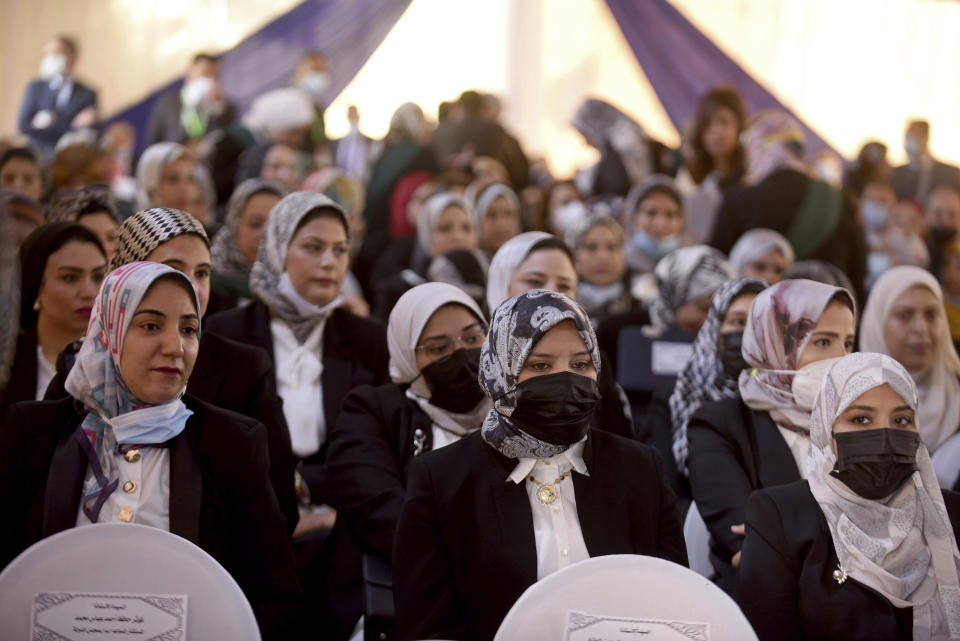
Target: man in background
x,y
923,172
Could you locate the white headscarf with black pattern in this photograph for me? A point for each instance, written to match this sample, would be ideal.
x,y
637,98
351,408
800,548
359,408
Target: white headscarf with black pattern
x,y
703,378
226,257
146,230
516,326
683,276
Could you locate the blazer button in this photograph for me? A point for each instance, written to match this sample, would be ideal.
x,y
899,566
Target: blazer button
x,y
132,456
129,487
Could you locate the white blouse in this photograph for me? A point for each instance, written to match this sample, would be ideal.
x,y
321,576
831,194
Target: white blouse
x,y
45,373
556,527
298,368
143,495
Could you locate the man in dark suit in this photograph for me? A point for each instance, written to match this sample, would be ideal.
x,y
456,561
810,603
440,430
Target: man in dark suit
x,y
191,111
56,102
923,172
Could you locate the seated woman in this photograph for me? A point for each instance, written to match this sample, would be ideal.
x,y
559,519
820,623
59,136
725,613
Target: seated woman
x,y
905,319
654,224
686,280
534,490
319,350
61,268
866,547
794,331
499,215
92,207
126,445
537,260
165,176
236,244
434,399
604,287
762,253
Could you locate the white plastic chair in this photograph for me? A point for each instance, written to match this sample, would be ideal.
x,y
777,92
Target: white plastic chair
x,y
126,558
697,536
628,586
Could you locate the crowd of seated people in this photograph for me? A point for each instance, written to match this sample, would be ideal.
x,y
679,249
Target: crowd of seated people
x,y
418,357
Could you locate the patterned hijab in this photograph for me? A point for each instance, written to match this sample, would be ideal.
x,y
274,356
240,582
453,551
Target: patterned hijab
x,y
938,386
430,212
774,141
703,378
268,278
506,261
515,328
146,230
903,546
95,379
683,276
754,245
781,320
227,259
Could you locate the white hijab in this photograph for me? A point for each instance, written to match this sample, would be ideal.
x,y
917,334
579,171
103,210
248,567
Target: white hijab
x,y
755,244
902,546
938,386
510,255
409,316
151,166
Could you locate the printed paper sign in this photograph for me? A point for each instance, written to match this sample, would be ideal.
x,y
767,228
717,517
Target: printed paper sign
x,y
589,627
667,358
70,616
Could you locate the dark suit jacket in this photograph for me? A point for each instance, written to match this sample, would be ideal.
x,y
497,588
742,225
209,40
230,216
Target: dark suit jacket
x,y
354,353
906,179
38,97
22,385
220,496
370,449
165,124
786,587
465,548
235,377
733,451
773,203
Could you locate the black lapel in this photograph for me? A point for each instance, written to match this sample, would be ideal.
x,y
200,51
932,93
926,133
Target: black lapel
x,y
205,379
774,460
338,365
23,386
186,484
512,506
257,323
604,517
68,468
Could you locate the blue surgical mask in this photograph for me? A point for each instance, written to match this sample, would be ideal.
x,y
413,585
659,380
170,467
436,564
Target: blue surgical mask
x,y
874,215
653,246
315,83
878,263
150,425
910,146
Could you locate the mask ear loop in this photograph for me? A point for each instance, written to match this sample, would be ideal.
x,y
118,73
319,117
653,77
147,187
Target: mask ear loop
x,y
755,374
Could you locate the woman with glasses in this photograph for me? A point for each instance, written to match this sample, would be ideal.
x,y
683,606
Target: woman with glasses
x,y
434,336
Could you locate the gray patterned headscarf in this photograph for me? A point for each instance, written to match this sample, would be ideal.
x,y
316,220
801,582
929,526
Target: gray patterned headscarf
x,y
515,328
683,276
148,229
903,546
227,259
268,271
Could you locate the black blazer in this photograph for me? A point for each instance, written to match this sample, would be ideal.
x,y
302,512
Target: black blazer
x,y
220,496
39,97
733,451
354,353
235,377
165,125
22,385
378,434
465,548
786,587
905,179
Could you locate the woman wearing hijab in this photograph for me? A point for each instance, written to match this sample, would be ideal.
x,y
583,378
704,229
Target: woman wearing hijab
x,y
603,288
866,547
818,220
319,350
534,490
434,335
236,244
165,176
653,223
228,374
499,215
128,446
905,319
763,254
795,330
686,280
92,207
61,268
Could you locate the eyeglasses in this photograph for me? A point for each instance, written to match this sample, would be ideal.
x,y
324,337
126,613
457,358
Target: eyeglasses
x,y
440,346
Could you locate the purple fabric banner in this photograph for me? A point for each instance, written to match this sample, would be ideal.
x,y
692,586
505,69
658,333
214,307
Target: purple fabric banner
x,y
347,31
682,63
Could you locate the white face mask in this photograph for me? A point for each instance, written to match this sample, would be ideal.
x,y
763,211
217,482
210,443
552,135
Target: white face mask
x,y
53,65
196,90
568,217
315,83
806,381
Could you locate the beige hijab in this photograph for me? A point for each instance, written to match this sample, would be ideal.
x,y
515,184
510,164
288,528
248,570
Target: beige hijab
x,y
938,386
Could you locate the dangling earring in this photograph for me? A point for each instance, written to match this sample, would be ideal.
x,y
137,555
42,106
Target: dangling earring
x,y
36,305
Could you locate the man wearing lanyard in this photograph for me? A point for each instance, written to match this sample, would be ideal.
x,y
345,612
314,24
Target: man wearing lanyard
x,y
56,102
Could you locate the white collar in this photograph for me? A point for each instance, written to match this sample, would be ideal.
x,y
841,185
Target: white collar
x,y
573,455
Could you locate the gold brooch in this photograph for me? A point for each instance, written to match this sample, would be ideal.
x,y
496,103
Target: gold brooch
x,y
548,494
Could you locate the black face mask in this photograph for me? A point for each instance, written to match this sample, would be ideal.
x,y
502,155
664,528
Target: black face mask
x,y
941,235
876,463
731,357
452,381
556,408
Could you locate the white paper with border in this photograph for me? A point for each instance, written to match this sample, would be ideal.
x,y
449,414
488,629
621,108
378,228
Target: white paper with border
x,y
668,358
78,616
592,627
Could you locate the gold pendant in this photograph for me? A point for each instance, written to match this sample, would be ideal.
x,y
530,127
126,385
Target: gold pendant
x,y
547,494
